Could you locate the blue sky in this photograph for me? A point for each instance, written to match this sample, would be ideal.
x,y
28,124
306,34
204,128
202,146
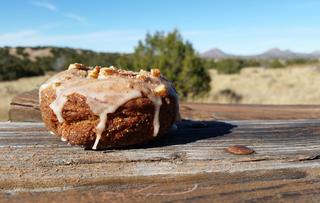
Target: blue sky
x,y
238,26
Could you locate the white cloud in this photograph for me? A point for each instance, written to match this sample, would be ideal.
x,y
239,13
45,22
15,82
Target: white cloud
x,y
52,7
49,26
44,4
76,17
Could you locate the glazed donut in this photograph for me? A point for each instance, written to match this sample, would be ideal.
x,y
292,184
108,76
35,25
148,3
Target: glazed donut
x,y
106,107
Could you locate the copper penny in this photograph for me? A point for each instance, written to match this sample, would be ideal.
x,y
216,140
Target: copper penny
x,y
239,150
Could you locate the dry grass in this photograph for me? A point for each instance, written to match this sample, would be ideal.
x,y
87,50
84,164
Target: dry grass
x,y
292,85
10,88
33,54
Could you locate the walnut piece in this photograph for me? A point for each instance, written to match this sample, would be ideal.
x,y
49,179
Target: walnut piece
x,y
77,66
160,90
56,84
143,72
108,71
155,72
94,73
83,73
142,75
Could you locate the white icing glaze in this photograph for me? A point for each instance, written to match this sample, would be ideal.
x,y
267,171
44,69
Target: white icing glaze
x,y
49,82
105,109
105,95
156,124
63,139
57,104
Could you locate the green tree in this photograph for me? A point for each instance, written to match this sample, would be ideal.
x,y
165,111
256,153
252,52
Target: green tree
x,y
176,59
252,63
275,64
230,66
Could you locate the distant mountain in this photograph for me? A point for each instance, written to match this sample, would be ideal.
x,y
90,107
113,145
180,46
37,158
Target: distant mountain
x,y
216,54
274,53
316,53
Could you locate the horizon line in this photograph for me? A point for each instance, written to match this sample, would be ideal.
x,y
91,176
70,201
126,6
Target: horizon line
x,y
201,53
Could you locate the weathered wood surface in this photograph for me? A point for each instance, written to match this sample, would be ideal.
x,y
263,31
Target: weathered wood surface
x,y
25,107
190,164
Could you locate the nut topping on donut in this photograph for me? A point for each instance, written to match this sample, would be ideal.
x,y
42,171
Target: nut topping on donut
x,y
83,73
155,72
94,73
104,72
56,84
77,66
160,90
142,75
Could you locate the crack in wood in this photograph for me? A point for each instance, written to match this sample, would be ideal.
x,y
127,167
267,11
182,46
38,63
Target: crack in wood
x,y
252,159
306,158
174,157
25,105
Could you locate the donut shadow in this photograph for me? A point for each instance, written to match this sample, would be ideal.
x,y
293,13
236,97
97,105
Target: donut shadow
x,y
189,131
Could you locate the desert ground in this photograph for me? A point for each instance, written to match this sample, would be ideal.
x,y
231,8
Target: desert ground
x,y
10,88
291,85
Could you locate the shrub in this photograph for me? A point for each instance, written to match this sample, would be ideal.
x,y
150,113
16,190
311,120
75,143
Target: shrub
x,y
229,66
275,64
176,59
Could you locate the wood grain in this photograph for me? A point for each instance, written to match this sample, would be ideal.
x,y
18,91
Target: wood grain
x,y
25,107
190,164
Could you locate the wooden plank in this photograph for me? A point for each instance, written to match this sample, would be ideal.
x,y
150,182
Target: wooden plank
x,y
189,164
25,107
248,112
263,186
